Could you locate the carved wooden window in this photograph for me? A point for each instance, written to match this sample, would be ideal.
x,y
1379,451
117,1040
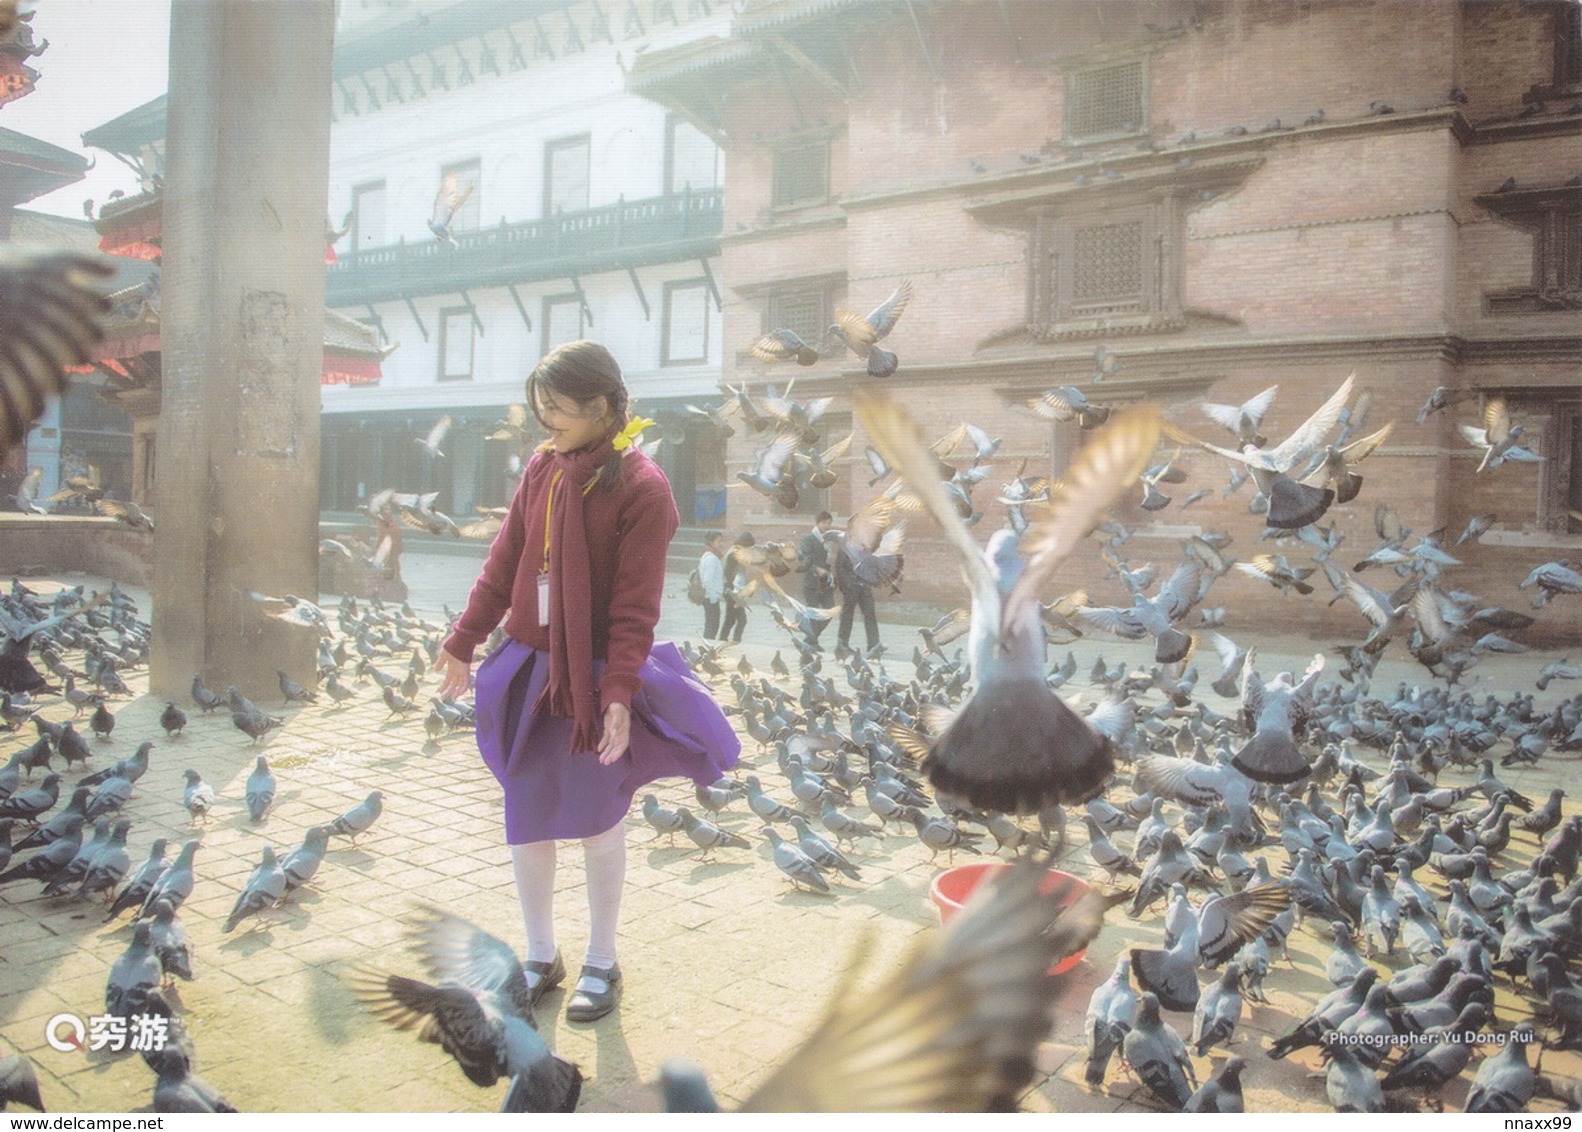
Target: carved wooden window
x,y
1107,268
1101,270
1554,218
808,313
1106,101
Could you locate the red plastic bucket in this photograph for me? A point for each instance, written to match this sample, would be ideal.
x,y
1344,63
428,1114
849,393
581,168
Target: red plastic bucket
x,y
953,887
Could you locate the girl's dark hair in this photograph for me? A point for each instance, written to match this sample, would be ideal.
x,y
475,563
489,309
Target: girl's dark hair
x,y
582,371
746,539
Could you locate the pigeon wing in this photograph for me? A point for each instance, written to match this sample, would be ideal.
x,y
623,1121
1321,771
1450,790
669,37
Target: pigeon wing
x,y
955,1028
51,313
884,316
1308,439
1099,475
900,442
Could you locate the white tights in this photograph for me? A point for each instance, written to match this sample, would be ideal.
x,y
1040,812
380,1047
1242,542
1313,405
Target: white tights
x,y
604,861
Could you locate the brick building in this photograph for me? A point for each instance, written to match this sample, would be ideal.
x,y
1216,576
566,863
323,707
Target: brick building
x,y
1223,196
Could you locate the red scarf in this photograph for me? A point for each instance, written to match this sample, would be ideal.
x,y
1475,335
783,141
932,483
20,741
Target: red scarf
x,y
569,690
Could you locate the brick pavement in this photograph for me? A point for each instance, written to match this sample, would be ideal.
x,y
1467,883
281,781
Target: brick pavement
x,y
724,962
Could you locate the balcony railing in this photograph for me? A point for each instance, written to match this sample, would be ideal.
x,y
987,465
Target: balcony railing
x,y
683,225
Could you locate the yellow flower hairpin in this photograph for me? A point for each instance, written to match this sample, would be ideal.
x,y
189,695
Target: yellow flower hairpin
x,y
628,435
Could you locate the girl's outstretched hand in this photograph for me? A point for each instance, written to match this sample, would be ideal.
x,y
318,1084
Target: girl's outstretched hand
x,y
455,676
617,733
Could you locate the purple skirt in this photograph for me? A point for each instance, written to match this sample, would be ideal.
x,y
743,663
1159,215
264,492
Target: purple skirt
x,y
678,730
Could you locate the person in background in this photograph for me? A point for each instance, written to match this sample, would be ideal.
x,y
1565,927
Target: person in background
x,y
711,572
818,576
854,594
735,605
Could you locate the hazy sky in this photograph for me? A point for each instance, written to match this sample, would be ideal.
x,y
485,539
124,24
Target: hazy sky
x,y
104,58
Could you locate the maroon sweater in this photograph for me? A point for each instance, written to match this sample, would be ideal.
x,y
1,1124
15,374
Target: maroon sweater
x,y
629,532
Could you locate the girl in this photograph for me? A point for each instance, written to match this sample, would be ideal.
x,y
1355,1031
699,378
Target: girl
x,y
578,708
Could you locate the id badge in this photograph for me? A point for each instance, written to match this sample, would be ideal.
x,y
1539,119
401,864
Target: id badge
x,y
543,599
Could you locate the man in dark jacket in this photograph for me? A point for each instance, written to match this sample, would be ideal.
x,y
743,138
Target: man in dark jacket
x,y
818,578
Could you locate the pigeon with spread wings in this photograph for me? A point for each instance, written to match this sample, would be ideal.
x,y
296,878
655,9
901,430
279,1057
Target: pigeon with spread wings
x,y
955,1029
784,346
435,437
51,314
1053,755
1497,438
863,335
1291,504
448,202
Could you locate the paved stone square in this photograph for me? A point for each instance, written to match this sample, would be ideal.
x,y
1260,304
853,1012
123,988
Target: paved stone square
x,y
724,962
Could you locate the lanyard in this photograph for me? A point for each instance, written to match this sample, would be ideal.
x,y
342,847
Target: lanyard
x,y
549,512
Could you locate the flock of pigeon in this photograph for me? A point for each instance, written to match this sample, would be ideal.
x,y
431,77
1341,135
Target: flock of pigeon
x,y
85,851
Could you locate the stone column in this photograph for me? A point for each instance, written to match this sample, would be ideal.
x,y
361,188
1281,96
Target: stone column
x,y
242,330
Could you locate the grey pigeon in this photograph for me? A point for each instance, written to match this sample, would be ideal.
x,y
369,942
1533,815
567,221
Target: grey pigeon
x,y
821,852
56,827
1218,1011
131,768
197,795
263,891
1053,754
1504,1082
51,859
357,820
1158,1056
170,941
797,866
940,834
1350,1084
479,1011
1108,1020
260,790
30,805
706,835
173,720
763,805
176,882
142,882
664,821
303,862
109,798
178,1089
1275,711
1221,1093
845,827
19,1083
104,839
134,973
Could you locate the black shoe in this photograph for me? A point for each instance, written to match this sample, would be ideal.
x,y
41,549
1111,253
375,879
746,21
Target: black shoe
x,y
550,975
590,1006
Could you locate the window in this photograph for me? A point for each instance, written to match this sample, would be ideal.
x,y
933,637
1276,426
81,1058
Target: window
x,y
692,160
467,175
801,175
562,320
368,216
808,312
566,175
1106,101
686,332
1554,218
1105,269
455,344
